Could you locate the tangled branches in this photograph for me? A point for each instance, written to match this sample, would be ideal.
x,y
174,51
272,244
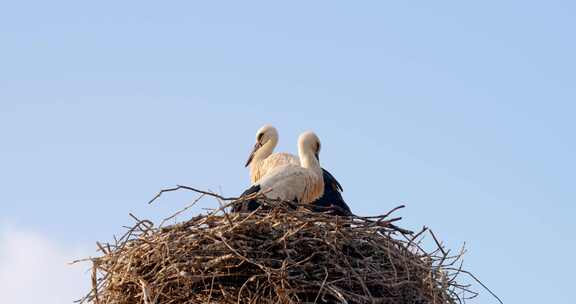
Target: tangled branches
x,y
279,255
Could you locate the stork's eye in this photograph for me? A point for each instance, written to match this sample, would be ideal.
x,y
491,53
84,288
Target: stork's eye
x,y
260,136
318,147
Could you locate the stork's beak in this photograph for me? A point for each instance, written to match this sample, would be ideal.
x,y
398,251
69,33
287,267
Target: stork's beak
x,y
256,147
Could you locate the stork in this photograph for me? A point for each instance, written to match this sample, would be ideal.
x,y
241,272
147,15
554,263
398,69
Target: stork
x,y
261,159
263,162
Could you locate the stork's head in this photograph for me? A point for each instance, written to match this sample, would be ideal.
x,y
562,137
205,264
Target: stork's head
x,y
309,143
266,136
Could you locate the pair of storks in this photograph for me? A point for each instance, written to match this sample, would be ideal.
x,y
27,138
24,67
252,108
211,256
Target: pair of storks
x,y
291,178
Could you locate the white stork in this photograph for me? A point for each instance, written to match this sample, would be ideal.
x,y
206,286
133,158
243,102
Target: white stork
x,y
261,159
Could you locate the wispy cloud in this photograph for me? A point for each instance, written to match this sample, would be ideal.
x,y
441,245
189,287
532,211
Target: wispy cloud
x,y
34,269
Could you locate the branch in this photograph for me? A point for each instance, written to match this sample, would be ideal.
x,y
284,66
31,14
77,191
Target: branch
x,y
178,187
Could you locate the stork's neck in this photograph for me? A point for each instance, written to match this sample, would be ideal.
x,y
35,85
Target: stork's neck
x,y
265,151
308,160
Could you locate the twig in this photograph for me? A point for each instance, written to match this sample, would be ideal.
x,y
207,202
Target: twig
x,y
182,210
437,242
482,284
178,187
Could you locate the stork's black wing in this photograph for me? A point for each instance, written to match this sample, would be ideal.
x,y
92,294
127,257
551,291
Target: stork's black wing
x,y
330,180
331,200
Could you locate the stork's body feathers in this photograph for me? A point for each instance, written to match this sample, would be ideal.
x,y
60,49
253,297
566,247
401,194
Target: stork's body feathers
x,y
293,183
259,168
331,200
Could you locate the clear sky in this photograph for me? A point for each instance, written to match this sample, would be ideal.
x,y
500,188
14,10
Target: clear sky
x,y
462,111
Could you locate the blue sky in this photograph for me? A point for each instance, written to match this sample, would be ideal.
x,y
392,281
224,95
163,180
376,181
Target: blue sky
x,y
462,111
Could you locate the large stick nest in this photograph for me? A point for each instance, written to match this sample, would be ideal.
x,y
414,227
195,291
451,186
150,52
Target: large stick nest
x,y
277,255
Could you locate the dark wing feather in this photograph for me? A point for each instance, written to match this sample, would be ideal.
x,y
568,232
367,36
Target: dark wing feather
x,y
331,200
330,179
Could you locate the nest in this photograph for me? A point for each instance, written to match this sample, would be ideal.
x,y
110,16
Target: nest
x,y
274,255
